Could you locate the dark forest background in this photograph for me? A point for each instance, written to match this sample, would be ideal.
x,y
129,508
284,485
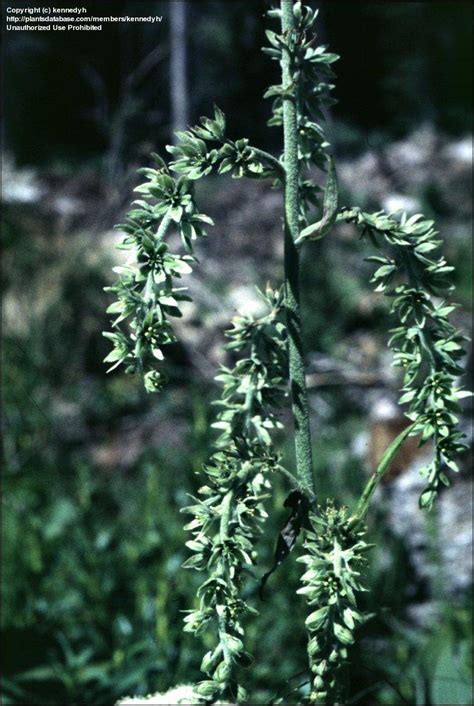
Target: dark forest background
x,y
402,63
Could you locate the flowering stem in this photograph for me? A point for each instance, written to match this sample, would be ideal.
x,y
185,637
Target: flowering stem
x,y
304,461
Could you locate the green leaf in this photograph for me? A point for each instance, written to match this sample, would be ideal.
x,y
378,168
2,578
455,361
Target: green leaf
x,y
331,195
182,267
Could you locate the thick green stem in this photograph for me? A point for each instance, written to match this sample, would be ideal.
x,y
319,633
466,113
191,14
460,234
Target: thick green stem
x,y
304,462
386,460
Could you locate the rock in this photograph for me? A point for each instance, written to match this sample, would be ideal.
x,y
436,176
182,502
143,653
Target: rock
x,y
400,175
453,519
406,519
459,151
455,535
245,300
179,695
401,202
19,185
363,178
410,161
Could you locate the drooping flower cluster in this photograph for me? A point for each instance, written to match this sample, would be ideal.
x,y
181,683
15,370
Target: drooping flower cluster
x,y
227,517
334,558
146,293
227,521
426,345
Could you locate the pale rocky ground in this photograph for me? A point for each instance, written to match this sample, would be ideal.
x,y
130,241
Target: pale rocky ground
x,y
179,695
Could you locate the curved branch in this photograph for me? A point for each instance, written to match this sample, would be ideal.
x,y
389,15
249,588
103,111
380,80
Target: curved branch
x,y
295,484
383,466
272,161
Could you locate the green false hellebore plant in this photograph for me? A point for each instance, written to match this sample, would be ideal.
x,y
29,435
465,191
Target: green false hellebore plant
x,y
227,517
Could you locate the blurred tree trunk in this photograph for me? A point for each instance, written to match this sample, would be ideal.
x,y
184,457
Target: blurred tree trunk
x,y
178,68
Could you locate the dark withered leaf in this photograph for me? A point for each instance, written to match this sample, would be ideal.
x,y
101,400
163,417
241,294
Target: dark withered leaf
x,y
299,504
